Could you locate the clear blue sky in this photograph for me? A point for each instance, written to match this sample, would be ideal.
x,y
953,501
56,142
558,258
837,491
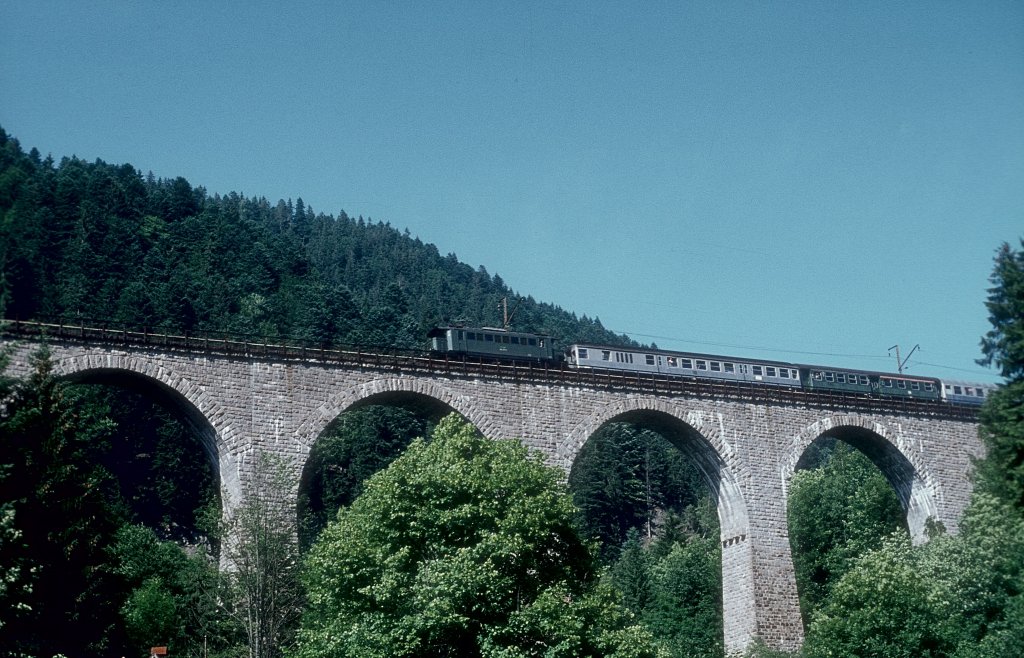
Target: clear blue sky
x,y
807,181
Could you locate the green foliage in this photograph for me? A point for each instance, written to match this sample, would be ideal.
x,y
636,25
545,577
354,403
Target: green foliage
x,y
1001,472
71,569
957,596
173,599
626,477
880,607
461,547
639,495
837,511
58,513
685,614
357,445
1003,345
262,557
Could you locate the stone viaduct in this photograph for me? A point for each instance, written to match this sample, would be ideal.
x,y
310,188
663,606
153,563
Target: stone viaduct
x,y
245,398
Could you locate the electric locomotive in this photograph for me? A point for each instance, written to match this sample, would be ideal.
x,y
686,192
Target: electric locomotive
x,y
492,342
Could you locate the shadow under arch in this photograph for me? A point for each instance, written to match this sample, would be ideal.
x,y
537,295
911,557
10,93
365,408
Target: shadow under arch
x,y
199,411
695,437
424,400
175,394
911,481
698,435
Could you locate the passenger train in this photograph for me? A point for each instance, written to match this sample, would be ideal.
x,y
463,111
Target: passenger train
x,y
501,343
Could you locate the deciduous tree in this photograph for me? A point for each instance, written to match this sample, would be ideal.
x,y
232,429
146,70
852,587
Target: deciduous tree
x,y
462,547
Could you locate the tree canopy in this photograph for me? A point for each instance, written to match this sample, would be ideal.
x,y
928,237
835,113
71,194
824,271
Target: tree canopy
x,y
461,547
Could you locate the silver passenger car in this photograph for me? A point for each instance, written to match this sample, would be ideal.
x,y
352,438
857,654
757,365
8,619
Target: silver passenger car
x,y
683,364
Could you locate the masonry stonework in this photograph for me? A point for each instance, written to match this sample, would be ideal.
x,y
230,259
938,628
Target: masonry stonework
x,y
746,451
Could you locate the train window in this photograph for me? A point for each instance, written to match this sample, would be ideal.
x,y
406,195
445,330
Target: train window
x,y
840,377
928,386
743,368
702,365
979,393
958,390
817,375
460,334
649,358
515,340
582,353
900,383
533,342
686,363
606,355
915,386
886,382
863,380
471,335
830,376
488,338
757,370
672,362
729,367
716,366
541,342
784,373
770,371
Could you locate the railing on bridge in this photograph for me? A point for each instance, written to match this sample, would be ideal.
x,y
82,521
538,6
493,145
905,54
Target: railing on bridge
x,y
409,361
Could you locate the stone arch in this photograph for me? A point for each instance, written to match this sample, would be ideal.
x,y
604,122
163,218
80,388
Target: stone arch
x,y
890,450
421,393
196,408
701,434
703,437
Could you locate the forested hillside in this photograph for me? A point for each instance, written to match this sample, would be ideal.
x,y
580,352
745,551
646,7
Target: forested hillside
x,y
91,240
111,520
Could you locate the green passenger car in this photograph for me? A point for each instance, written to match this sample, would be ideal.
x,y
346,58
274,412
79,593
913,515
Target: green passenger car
x,y
486,341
